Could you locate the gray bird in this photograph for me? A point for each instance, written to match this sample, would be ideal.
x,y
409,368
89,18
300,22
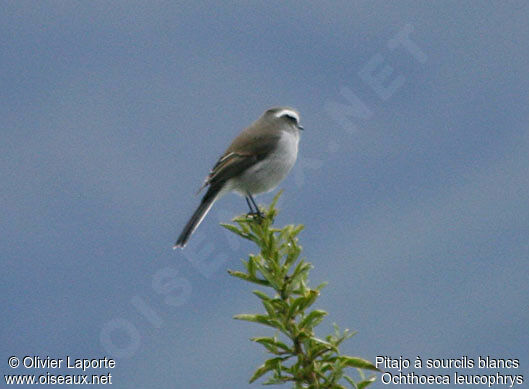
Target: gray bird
x,y
257,160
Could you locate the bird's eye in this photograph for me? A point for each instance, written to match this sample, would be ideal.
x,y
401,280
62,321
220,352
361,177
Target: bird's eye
x,y
291,118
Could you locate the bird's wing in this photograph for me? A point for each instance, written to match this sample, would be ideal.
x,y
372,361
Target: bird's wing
x,y
246,150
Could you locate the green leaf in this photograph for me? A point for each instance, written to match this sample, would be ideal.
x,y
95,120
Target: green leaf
x,y
277,380
300,272
346,335
239,231
274,201
250,265
248,278
262,295
350,380
294,307
298,229
293,251
303,302
310,298
323,343
313,319
271,364
321,286
268,275
280,305
269,308
270,242
363,384
284,232
232,228
261,319
272,342
359,363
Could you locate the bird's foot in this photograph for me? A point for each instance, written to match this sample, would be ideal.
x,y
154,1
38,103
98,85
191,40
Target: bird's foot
x,y
253,214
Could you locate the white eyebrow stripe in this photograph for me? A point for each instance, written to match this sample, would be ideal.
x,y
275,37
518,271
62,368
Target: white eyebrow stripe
x,y
288,112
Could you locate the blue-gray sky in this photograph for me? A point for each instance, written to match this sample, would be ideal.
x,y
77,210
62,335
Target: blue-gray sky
x,y
416,209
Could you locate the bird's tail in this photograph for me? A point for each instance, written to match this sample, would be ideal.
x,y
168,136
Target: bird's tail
x,y
205,205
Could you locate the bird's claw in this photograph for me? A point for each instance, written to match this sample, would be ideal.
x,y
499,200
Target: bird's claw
x,y
257,214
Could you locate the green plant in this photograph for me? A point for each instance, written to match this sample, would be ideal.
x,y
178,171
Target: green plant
x,y
299,357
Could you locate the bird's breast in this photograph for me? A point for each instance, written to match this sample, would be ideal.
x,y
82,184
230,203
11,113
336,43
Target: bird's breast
x,y
269,172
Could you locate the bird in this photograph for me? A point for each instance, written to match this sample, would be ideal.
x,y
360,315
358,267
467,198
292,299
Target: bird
x,y
256,161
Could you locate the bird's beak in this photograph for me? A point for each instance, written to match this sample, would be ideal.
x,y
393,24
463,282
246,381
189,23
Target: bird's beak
x,y
300,127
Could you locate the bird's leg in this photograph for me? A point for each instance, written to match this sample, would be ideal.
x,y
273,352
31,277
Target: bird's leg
x,y
252,212
257,210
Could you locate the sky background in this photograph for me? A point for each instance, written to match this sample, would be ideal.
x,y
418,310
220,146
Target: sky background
x,y
416,208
